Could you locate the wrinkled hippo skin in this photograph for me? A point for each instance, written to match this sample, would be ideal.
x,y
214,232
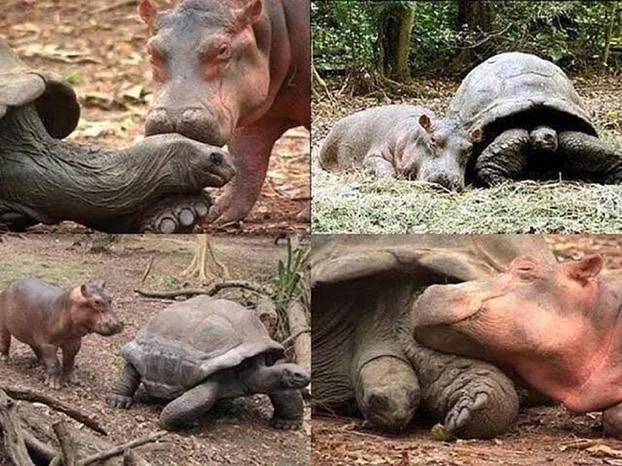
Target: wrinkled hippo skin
x,y
401,141
233,72
556,325
47,318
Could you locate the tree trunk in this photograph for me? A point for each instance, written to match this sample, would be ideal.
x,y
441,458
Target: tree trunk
x,y
478,16
613,13
394,35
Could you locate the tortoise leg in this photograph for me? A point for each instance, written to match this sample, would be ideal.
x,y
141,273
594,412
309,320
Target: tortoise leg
x,y
122,392
472,398
190,406
504,159
387,392
288,409
590,157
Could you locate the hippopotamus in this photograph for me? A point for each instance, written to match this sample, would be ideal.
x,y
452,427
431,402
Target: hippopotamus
x,y
46,317
233,72
556,325
401,141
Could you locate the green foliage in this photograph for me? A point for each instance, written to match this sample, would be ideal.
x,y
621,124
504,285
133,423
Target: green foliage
x,y
289,282
571,33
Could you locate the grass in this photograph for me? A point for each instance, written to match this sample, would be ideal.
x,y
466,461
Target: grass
x,y
355,203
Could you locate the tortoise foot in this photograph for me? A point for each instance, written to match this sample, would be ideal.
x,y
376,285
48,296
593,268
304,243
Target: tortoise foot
x,y
286,424
177,214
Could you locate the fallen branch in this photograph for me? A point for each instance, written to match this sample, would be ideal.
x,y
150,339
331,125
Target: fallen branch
x,y
29,395
299,329
67,446
14,445
119,450
210,290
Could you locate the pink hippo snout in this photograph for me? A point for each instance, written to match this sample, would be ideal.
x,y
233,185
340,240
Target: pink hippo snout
x,y
555,325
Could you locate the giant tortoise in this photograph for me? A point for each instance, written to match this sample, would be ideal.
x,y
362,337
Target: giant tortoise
x,y
157,184
364,357
202,350
535,124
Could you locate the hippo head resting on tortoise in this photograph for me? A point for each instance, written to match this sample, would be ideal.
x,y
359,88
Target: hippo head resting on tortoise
x,y
556,325
207,68
534,122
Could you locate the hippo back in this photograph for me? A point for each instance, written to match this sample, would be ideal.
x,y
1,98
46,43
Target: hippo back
x,y
54,99
189,341
509,85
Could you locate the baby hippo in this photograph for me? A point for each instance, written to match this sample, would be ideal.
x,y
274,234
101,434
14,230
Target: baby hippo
x,y
46,318
401,141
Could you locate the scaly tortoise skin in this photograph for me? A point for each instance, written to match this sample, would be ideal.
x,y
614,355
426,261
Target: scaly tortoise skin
x,y
535,124
202,350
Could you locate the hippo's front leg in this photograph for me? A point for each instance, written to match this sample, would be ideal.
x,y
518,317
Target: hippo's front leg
x,y
53,374
70,350
504,159
381,167
250,149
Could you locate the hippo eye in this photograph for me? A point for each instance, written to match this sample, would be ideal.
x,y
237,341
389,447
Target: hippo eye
x,y
98,302
224,51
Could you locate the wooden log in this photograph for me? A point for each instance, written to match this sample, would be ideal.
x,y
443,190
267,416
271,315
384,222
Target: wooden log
x,y
27,394
67,445
14,445
299,329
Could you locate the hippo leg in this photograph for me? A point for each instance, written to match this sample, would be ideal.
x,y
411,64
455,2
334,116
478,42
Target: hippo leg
x,y
190,406
472,398
70,350
5,343
381,167
250,149
612,421
504,159
53,374
122,393
589,157
288,409
387,392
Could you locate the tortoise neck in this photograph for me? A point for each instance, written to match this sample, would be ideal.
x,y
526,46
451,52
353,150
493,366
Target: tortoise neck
x,y
21,131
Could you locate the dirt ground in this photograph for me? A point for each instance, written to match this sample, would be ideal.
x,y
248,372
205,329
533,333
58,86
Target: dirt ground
x,y
542,435
99,46
237,433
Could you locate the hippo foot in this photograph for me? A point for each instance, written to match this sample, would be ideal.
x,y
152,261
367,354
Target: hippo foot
x,y
286,424
72,378
177,214
53,381
119,401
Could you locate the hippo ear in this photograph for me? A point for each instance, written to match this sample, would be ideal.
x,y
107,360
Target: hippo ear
x,y
84,289
103,284
584,269
475,134
425,122
249,13
148,12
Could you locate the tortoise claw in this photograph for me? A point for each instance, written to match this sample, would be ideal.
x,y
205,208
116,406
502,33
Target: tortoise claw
x,y
286,424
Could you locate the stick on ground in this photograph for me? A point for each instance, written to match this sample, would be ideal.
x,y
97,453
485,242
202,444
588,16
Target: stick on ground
x,y
119,450
210,290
